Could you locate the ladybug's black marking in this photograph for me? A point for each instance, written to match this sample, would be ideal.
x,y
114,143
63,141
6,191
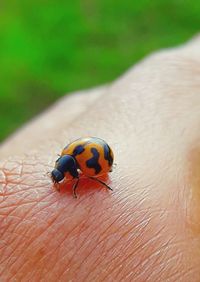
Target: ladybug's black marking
x,y
78,150
107,154
93,162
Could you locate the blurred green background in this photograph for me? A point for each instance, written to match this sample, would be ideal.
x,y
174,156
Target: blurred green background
x,y
48,48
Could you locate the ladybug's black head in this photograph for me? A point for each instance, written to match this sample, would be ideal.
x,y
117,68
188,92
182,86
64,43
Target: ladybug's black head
x,y
56,175
64,164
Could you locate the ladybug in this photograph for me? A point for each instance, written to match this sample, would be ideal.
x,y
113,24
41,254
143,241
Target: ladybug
x,y
90,155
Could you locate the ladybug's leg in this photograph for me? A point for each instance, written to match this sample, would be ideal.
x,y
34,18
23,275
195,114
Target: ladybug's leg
x,y
75,186
98,180
113,167
57,186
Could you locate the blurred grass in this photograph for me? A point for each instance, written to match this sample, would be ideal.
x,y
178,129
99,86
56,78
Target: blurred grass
x,y
48,48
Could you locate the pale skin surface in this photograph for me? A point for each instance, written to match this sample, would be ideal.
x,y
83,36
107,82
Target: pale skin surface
x,y
148,228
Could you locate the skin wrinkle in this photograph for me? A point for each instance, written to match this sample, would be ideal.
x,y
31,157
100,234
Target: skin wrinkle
x,y
29,248
108,250
14,251
5,195
59,246
78,267
22,199
174,258
106,230
127,258
110,270
146,272
18,204
79,227
7,216
126,263
155,262
165,247
18,241
185,274
98,242
114,257
175,270
24,217
54,220
157,273
75,255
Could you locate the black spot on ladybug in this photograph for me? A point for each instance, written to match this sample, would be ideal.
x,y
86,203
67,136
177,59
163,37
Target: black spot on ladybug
x,y
107,154
93,162
78,150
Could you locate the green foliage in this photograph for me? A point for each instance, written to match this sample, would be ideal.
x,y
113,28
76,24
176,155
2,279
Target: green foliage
x,y
48,48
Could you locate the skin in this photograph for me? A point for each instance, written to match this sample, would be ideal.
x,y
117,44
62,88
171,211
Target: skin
x,y
148,228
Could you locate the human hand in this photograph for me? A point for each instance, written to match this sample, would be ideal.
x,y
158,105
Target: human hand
x,y
148,228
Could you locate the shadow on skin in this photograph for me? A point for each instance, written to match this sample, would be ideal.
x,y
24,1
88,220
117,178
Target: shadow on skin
x,y
86,185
